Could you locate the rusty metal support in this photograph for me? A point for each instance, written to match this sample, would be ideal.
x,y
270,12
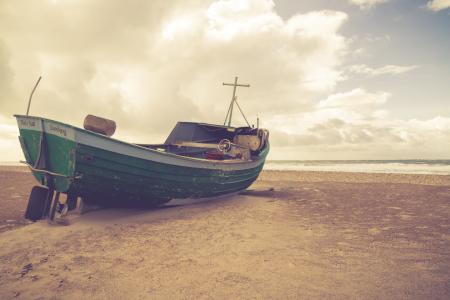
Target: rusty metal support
x,y
48,201
54,204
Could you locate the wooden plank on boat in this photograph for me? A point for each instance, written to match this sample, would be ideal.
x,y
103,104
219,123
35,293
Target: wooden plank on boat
x,y
199,145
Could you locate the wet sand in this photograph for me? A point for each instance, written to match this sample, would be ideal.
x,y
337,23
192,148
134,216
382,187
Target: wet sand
x,y
316,235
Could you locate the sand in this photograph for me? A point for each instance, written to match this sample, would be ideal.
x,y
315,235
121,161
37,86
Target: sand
x,y
316,235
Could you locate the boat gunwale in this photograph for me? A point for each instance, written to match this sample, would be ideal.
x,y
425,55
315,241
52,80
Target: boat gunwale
x,y
262,155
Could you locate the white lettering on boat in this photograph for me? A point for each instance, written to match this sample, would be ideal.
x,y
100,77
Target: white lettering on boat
x,y
61,131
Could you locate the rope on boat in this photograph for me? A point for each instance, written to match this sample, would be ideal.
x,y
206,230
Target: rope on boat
x,y
235,100
229,108
44,171
40,149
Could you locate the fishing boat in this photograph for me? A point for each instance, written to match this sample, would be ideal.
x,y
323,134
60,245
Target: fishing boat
x,y
196,163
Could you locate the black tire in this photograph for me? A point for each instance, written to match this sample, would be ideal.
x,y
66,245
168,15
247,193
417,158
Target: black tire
x,y
36,203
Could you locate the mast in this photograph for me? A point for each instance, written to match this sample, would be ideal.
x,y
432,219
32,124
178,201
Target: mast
x,y
233,98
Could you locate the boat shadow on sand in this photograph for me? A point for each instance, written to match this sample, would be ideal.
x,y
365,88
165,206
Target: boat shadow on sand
x,y
110,216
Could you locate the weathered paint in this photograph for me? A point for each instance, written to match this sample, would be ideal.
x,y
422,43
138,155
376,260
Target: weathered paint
x,y
99,167
56,153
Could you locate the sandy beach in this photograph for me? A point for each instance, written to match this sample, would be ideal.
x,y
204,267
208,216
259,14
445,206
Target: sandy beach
x,y
293,235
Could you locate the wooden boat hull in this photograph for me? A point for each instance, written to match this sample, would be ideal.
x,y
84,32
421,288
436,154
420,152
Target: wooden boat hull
x,y
109,172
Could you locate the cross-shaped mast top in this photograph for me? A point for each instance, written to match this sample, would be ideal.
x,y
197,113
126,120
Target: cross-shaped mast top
x,y
230,109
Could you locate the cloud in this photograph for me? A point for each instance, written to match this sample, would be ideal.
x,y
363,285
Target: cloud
x,y
367,4
6,71
9,147
358,100
437,5
149,64
388,69
354,125
384,39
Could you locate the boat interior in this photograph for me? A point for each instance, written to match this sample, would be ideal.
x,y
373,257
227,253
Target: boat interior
x,y
216,142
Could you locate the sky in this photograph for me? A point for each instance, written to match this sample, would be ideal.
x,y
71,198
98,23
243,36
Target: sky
x,y
330,79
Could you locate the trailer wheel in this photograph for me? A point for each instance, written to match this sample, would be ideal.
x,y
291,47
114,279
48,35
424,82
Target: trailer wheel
x,y
36,203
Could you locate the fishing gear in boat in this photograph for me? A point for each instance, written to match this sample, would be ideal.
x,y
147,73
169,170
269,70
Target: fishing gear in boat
x,y
99,125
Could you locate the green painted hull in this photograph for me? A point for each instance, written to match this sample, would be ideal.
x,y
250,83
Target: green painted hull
x,y
110,172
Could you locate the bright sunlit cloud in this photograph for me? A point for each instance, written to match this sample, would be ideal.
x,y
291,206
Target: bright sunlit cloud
x,y
355,122
150,64
437,5
389,69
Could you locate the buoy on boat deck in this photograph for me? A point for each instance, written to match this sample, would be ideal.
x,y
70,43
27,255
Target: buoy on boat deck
x,y
99,125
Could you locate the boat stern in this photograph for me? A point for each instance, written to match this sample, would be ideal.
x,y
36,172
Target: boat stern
x,y
49,151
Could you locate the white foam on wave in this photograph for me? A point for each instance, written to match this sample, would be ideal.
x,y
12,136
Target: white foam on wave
x,y
369,167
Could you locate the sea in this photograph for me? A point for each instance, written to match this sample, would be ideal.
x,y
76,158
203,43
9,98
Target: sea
x,y
412,166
